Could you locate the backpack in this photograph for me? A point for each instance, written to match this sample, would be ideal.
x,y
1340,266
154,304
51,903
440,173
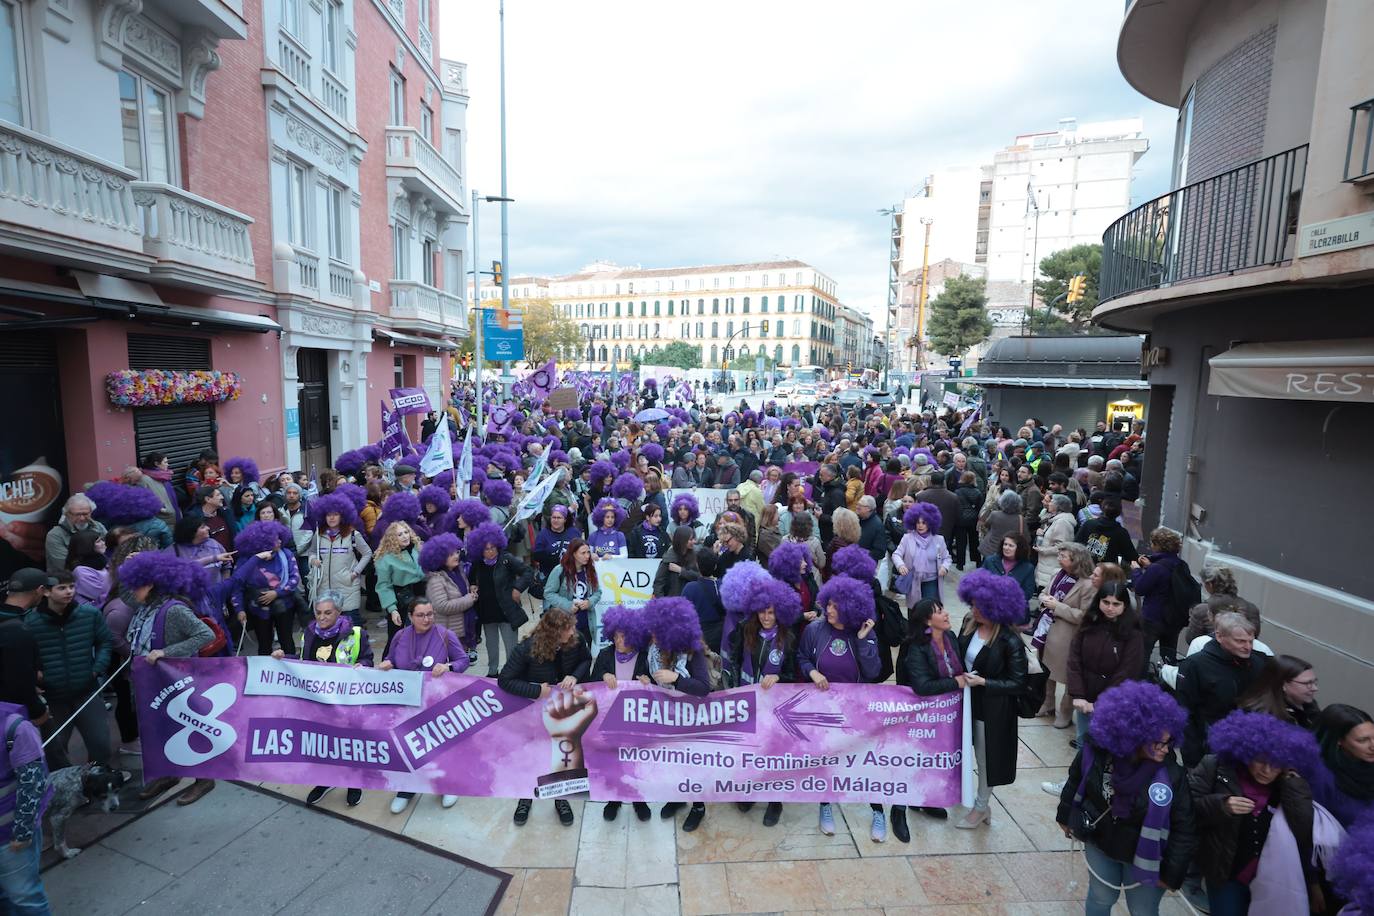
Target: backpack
x,y
1184,594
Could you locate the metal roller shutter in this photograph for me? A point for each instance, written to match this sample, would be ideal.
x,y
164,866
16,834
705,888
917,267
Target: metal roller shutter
x,y
180,433
162,351
28,350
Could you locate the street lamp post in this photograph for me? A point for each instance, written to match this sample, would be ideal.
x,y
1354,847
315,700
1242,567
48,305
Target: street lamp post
x,y
893,284
593,334
477,295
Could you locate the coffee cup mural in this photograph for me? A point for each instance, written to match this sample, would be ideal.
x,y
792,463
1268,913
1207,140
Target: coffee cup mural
x,y
28,502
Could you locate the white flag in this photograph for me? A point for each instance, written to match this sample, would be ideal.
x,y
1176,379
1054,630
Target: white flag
x,y
440,455
464,469
534,499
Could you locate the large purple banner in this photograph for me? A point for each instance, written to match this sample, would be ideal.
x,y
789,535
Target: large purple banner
x,y
317,724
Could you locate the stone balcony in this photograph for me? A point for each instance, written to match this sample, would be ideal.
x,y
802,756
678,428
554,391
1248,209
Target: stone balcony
x,y
60,204
197,243
418,307
420,168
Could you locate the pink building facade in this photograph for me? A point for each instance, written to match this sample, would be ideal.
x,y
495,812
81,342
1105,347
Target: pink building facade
x,y
272,190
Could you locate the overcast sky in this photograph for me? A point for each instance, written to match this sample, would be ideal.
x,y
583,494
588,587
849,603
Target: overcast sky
x,y
663,133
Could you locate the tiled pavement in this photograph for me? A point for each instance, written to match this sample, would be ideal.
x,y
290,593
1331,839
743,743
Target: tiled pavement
x,y
1019,866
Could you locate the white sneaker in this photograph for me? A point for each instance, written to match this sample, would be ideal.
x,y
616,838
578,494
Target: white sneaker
x,y
448,801
398,804
1052,788
133,750
827,819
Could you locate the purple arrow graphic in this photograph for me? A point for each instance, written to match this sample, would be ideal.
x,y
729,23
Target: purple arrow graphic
x,y
791,719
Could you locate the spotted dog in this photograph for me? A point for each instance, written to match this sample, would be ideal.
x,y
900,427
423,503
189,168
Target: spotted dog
x,y
75,787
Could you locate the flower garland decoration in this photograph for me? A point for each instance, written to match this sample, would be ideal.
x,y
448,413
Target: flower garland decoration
x,y
161,387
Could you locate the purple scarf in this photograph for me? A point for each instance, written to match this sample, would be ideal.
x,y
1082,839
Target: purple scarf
x,y
946,660
772,662
1129,777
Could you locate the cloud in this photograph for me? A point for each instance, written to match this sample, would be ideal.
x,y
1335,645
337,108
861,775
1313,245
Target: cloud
x,y
668,134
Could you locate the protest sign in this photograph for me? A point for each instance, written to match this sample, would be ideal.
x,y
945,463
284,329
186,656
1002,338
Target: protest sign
x,y
562,398
320,724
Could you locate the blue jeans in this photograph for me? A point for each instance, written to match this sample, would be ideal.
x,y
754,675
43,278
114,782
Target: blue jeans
x,y
1228,899
1080,726
1140,900
21,889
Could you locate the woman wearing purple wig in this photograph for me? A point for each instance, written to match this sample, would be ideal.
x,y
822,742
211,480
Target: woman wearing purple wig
x,y
840,646
501,580
338,552
677,661
623,661
1247,791
607,539
1128,801
922,554
263,587
995,661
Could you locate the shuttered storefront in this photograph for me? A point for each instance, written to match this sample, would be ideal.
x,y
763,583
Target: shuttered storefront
x,y
183,431
31,414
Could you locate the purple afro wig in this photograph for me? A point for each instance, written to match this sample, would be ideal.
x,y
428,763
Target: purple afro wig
x,y
608,505
601,471
738,582
437,497
558,456
620,459
674,623
259,536
322,506
855,562
651,383
597,425
853,598
1352,871
920,511
1131,715
498,493
479,537
350,463
434,555
168,575
628,486
354,493
371,453
785,562
652,451
693,509
444,478
400,507
247,466
572,415
663,430
632,624
750,418
120,504
1243,737
784,601
472,512
998,598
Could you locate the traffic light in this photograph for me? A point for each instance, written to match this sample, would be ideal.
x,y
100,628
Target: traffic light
x,y
1077,284
464,360
765,327
496,273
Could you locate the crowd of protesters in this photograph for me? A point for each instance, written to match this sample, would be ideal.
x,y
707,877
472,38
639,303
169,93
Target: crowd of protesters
x,y
841,535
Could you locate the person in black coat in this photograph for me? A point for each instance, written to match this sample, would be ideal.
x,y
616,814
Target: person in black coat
x,y
647,539
1210,682
829,490
552,658
623,661
927,662
995,658
966,523
501,580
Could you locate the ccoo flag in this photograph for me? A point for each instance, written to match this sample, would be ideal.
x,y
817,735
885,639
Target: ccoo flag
x,y
440,455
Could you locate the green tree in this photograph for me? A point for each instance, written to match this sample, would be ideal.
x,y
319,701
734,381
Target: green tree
x,y
678,353
548,333
1055,273
959,317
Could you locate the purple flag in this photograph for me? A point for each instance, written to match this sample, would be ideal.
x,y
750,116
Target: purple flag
x,y
970,420
541,381
394,439
410,400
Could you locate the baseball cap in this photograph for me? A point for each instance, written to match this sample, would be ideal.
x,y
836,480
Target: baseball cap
x,y
29,579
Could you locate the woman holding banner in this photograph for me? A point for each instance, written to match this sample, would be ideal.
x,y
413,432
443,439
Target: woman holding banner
x,y
995,658
573,587
553,657
763,651
623,661
677,661
840,647
424,646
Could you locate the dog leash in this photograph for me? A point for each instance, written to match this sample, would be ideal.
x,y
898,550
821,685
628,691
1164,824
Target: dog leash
x,y
98,691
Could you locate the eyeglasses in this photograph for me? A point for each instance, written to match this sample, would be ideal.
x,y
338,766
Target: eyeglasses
x,y
1161,746
1297,683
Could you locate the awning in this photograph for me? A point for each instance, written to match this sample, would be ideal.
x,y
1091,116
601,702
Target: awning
x,y
125,298
1301,370
426,342
1096,384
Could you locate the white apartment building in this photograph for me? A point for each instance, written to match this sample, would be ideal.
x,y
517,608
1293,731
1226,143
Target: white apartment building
x,y
787,311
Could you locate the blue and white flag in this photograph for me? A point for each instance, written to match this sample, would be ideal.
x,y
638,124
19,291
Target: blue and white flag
x,y
440,455
533,500
464,470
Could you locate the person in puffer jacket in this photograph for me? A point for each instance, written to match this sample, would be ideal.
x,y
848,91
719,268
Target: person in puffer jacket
x,y
263,587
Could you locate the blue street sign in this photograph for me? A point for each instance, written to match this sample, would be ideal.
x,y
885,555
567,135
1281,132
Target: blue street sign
x,y
503,335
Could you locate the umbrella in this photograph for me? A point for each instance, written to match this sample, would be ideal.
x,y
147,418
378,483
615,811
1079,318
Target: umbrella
x,y
651,415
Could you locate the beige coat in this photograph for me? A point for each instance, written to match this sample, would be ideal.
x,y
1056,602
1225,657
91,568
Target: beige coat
x,y
1065,628
449,604
1058,531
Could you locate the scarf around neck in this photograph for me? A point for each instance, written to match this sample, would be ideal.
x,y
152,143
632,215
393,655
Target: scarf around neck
x,y
1154,830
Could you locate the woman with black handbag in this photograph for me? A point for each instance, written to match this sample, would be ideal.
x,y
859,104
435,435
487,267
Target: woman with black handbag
x,y
1128,801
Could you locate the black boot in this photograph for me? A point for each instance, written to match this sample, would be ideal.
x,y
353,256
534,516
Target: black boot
x,y
642,811
670,809
897,821
772,814
693,819
611,811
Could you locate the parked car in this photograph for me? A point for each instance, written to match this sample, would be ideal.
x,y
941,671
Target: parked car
x,y
804,396
851,396
784,390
